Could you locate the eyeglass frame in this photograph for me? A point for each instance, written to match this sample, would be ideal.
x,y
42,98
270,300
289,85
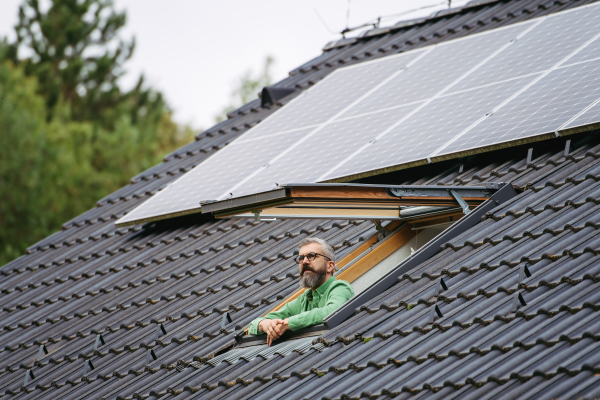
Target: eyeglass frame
x,y
298,260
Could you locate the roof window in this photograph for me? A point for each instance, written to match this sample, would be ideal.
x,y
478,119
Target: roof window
x,y
412,223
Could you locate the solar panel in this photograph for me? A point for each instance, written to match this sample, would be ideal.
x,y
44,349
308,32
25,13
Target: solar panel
x,y
543,107
527,79
308,161
439,70
551,39
429,129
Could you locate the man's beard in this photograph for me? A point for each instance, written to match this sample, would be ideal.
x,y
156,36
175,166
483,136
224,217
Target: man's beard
x,y
313,280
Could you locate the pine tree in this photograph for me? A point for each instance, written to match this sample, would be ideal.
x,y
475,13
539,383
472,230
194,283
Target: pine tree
x,y
74,136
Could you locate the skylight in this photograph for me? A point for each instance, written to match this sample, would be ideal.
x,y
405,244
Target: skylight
x,y
402,245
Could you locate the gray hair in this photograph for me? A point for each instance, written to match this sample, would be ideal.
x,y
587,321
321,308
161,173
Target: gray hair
x,y
327,249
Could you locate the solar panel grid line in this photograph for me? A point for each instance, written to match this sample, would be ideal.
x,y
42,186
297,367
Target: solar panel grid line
x,y
428,101
578,62
585,122
557,36
239,142
579,114
243,140
505,102
331,119
378,111
491,111
489,84
336,73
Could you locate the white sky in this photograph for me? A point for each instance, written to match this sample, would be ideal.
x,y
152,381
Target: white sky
x,y
193,50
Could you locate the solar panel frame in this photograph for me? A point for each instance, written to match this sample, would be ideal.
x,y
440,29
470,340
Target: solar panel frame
x,y
587,116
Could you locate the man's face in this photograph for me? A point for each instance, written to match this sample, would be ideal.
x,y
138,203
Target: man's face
x,y
313,273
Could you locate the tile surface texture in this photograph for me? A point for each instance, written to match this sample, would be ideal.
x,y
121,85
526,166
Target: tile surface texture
x,y
140,308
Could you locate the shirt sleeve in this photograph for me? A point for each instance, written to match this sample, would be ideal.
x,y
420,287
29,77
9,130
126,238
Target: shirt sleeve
x,y
292,308
337,296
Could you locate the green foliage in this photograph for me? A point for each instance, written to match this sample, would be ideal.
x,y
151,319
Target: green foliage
x,y
69,134
21,167
367,340
76,54
247,88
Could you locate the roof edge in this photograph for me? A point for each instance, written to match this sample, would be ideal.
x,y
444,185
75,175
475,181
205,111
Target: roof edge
x,y
380,31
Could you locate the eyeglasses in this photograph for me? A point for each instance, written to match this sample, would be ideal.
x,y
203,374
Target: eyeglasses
x,y
310,256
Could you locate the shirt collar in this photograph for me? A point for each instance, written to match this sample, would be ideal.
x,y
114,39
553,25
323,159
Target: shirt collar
x,y
323,288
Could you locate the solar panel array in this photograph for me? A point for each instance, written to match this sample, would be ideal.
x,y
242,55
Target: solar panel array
x,y
503,85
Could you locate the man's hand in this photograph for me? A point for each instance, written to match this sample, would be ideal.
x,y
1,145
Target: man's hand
x,y
274,328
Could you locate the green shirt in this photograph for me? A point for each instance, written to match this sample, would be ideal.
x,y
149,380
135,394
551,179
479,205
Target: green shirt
x,y
311,306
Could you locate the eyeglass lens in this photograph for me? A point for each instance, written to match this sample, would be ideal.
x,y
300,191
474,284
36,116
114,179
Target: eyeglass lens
x,y
309,256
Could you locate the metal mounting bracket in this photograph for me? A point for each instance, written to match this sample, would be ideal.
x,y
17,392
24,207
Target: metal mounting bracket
x,y
87,367
517,302
463,204
150,356
99,342
28,376
160,331
43,350
225,320
524,273
434,313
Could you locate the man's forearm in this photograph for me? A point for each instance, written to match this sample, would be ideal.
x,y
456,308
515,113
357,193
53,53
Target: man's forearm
x,y
286,311
253,328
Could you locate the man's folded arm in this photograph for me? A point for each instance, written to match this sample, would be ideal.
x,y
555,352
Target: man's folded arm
x,y
289,309
337,297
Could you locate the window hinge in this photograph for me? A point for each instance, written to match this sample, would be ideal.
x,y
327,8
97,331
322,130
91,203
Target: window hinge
x,y
463,204
382,231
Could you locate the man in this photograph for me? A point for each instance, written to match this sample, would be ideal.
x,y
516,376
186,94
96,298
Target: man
x,y
323,295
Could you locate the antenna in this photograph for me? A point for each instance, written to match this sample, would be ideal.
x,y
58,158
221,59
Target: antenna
x,y
347,17
375,23
323,21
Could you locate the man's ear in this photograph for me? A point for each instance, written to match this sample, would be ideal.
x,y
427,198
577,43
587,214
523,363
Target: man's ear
x,y
331,267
